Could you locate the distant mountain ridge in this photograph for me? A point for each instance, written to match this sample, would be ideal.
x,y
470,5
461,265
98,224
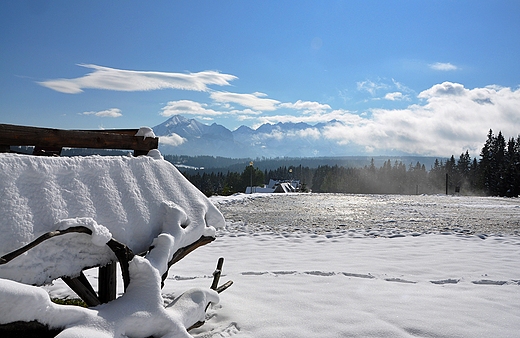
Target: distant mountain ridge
x,y
268,140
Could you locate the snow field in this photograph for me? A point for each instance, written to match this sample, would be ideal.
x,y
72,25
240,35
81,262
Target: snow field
x,y
303,265
305,286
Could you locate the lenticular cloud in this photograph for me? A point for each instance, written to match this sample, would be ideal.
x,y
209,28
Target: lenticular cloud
x,y
132,80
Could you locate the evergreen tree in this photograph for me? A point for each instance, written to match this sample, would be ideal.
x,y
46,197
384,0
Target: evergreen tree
x,y
486,164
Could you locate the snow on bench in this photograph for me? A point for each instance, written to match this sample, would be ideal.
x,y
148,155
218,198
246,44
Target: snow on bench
x,y
141,202
134,198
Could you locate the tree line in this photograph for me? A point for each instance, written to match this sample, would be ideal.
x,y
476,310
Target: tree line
x,y
496,173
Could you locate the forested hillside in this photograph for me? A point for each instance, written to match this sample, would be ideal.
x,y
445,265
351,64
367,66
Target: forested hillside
x,y
495,173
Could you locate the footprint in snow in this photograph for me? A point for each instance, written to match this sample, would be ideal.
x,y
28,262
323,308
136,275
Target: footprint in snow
x,y
445,281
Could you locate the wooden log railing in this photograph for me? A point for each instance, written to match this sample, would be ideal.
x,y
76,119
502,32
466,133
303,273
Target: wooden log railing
x,y
51,141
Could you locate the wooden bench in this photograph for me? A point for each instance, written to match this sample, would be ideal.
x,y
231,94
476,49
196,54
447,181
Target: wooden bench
x,y
50,142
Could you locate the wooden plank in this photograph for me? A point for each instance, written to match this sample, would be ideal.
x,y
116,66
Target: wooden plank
x,y
81,286
107,288
13,135
130,132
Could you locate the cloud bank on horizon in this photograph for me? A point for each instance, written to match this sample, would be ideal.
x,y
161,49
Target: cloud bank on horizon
x,y
444,119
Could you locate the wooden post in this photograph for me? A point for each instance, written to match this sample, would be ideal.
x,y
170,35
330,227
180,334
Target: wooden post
x,y
217,273
83,289
107,283
447,182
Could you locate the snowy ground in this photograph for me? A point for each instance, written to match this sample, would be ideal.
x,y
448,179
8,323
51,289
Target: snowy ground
x,y
359,266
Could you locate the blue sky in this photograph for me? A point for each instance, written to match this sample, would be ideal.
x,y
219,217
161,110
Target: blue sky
x,y
420,77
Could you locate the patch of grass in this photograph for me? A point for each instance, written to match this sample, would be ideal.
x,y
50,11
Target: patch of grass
x,y
71,301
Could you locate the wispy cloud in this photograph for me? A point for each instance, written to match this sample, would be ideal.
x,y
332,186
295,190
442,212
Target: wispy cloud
x,y
256,101
395,91
371,87
307,106
345,116
113,112
187,107
395,96
202,110
278,134
132,80
444,66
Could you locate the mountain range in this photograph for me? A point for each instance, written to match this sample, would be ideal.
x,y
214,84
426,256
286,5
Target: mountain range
x,y
193,138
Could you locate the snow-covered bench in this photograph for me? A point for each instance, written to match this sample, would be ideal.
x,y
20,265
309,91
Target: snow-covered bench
x,y
88,209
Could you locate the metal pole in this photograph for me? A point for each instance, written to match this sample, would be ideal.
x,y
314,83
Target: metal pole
x,y
251,165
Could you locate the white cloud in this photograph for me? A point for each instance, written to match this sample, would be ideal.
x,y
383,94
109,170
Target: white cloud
x,y
308,133
443,66
244,112
172,140
278,134
307,106
113,112
187,107
344,116
443,89
256,101
395,96
453,119
132,80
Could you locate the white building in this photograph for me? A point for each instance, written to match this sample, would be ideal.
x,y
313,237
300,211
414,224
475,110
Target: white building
x,y
278,186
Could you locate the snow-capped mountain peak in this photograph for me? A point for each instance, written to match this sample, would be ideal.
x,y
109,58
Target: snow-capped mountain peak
x,y
268,140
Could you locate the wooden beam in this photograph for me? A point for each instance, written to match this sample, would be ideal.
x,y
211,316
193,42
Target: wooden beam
x,y
12,135
81,286
107,283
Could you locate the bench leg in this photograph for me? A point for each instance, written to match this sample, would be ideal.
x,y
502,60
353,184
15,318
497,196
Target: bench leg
x,y
107,283
81,286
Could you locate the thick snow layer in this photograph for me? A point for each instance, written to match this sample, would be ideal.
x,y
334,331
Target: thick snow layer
x,y
145,132
141,202
130,199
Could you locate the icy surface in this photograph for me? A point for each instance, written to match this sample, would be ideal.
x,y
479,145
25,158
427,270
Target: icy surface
x,y
379,215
